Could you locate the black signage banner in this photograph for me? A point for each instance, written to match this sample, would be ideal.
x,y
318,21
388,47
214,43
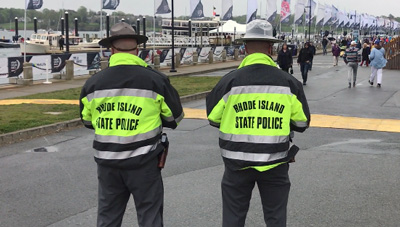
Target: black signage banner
x,y
93,60
143,54
16,65
58,62
163,55
182,52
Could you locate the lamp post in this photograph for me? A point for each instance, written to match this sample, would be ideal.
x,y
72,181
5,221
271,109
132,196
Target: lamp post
x,y
66,32
309,22
173,70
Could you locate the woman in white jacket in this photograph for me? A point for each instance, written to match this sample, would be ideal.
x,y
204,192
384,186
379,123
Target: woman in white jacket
x,y
378,61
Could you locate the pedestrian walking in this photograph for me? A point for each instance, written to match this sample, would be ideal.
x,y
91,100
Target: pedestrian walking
x,y
335,53
127,105
61,42
365,54
304,60
351,58
378,62
255,107
285,59
324,45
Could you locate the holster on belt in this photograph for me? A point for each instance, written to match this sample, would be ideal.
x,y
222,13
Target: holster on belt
x,y
162,157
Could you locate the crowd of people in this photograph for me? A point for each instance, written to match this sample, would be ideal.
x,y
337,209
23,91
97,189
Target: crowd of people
x,y
368,52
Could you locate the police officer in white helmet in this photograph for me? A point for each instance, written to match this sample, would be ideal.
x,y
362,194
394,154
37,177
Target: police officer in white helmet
x,y
256,107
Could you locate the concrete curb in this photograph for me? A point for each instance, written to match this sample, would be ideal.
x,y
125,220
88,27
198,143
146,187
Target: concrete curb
x,y
28,134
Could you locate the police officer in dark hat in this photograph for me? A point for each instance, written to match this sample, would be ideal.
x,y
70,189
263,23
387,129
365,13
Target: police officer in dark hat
x,y
127,105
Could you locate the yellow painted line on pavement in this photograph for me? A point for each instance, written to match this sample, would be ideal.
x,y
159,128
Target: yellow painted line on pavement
x,y
38,101
317,120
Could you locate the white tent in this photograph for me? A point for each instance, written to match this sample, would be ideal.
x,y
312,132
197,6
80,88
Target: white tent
x,y
229,27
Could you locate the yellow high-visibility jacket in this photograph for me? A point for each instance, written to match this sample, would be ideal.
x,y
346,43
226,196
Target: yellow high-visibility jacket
x,y
127,105
255,108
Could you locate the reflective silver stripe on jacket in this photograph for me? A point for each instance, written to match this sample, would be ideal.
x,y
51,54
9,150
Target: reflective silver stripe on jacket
x,y
253,157
121,92
170,119
112,155
258,89
301,124
253,138
128,139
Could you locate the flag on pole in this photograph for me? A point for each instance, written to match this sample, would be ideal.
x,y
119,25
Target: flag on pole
x,y
196,9
271,11
251,10
320,14
328,14
299,11
334,15
352,18
110,4
313,7
285,11
161,7
34,4
227,9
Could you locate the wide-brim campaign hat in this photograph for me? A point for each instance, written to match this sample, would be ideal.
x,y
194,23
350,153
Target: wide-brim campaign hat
x,y
260,30
122,30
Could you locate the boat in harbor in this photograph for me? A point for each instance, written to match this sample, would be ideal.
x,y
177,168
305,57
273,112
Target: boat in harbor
x,y
9,49
47,43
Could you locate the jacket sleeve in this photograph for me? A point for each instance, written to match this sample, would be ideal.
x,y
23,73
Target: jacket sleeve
x,y
216,101
372,55
171,107
85,109
300,117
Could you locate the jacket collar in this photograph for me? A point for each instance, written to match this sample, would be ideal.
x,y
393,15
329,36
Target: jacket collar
x,y
126,59
257,58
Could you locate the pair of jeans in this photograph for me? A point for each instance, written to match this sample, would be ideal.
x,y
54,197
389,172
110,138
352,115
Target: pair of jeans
x,y
304,67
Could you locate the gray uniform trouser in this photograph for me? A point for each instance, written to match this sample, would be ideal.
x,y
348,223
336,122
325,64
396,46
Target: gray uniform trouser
x,y
115,188
273,185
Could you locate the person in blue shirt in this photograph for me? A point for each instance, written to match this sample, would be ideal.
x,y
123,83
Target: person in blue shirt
x,y
378,62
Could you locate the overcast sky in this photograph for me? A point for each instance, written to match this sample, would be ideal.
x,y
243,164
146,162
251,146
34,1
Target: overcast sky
x,y
182,7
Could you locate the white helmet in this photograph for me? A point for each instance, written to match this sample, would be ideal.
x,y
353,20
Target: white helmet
x,y
260,30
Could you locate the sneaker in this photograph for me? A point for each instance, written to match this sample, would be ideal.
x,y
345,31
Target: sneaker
x,y
354,84
349,85
370,82
379,85
304,83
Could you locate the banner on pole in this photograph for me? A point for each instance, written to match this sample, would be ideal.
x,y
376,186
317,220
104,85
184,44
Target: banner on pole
x,y
271,11
34,4
161,7
227,9
251,10
299,11
110,4
196,9
285,11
